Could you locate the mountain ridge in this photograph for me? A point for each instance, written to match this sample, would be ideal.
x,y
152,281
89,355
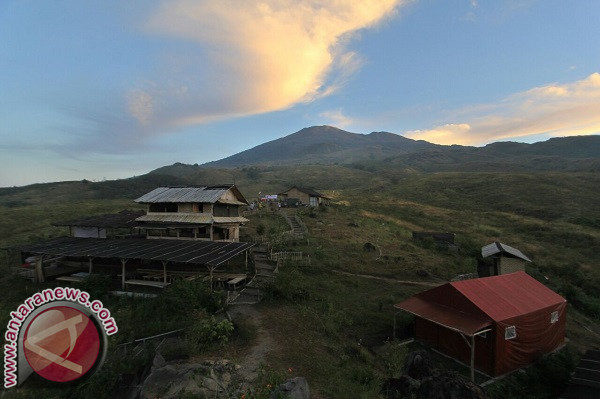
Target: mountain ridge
x,y
330,145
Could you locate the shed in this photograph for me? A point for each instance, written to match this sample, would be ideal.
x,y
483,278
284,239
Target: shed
x,y
497,324
306,195
499,258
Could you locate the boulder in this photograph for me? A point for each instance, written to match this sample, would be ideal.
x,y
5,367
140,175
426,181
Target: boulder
x,y
449,385
369,247
399,388
294,388
417,365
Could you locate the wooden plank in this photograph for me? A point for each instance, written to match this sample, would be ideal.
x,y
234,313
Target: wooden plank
x,y
155,284
72,279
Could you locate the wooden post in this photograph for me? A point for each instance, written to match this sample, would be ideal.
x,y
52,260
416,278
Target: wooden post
x,y
164,272
90,261
39,269
123,261
472,358
211,279
211,232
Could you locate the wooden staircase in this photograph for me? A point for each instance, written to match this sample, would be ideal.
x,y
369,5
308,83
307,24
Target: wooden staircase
x,y
264,272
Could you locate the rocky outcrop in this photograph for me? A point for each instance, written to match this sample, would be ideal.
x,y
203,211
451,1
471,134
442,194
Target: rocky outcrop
x,y
421,381
208,379
294,388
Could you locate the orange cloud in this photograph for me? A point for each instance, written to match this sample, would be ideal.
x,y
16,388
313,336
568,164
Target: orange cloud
x,y
258,57
553,110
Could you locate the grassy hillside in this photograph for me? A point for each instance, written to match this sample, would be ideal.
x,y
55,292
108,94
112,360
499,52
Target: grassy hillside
x,y
330,323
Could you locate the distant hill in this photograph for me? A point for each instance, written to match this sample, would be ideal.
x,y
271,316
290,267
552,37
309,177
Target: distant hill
x,y
324,144
329,145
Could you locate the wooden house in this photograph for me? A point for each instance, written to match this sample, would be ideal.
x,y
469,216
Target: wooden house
x,y
498,258
305,195
193,213
496,324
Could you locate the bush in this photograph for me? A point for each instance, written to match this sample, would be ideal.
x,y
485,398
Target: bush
x,y
206,331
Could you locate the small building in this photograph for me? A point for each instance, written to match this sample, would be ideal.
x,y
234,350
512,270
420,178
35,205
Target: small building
x,y
209,213
496,324
306,195
100,226
498,258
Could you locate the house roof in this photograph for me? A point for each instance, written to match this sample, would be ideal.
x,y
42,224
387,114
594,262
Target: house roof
x,y
444,315
497,247
508,295
207,194
308,191
470,305
124,218
195,252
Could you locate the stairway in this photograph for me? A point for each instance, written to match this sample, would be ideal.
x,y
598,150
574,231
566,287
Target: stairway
x,y
297,227
265,270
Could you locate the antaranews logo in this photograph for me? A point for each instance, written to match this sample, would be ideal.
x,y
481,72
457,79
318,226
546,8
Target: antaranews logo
x,y
57,333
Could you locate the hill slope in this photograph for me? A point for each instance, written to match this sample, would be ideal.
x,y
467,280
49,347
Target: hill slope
x,y
329,145
324,144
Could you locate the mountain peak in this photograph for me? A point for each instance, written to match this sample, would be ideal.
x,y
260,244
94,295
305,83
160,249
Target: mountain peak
x,y
323,144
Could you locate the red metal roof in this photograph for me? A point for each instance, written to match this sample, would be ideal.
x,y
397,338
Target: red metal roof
x,y
444,315
470,305
508,295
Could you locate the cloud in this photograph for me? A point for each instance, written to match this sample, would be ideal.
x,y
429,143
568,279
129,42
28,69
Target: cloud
x,y
251,57
337,118
552,110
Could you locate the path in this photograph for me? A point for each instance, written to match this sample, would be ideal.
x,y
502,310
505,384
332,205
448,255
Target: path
x,y
296,225
264,343
389,280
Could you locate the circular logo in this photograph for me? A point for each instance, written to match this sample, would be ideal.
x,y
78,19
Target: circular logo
x,y
61,344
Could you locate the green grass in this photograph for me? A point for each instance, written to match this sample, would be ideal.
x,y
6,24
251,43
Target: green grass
x,y
328,326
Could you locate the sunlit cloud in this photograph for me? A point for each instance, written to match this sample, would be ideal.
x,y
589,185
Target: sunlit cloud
x,y
254,57
337,118
552,110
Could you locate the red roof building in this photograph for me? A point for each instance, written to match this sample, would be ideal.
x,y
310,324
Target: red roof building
x,y
497,324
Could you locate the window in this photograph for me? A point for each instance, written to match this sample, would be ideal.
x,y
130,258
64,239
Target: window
x,y
510,332
553,317
483,335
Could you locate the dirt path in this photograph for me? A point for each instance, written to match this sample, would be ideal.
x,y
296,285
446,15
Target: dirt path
x,y
262,346
389,280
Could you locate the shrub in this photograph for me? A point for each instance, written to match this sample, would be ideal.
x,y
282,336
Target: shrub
x,y
206,331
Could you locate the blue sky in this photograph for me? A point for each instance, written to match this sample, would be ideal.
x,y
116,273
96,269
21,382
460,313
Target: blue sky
x,y
114,89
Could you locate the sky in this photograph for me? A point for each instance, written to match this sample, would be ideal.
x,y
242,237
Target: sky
x,y
114,89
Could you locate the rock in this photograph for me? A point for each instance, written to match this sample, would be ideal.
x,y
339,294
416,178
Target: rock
x,y
417,365
158,361
209,379
353,224
422,273
368,247
294,388
448,385
402,387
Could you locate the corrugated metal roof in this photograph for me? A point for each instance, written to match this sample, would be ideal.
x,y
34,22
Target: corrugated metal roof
x,y
209,253
444,315
195,218
183,194
508,295
124,218
229,219
497,247
497,298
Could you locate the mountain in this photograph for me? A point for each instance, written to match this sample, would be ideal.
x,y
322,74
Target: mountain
x,y
324,144
381,150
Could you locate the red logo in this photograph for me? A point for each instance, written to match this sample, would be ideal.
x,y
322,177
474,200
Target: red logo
x,y
61,344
